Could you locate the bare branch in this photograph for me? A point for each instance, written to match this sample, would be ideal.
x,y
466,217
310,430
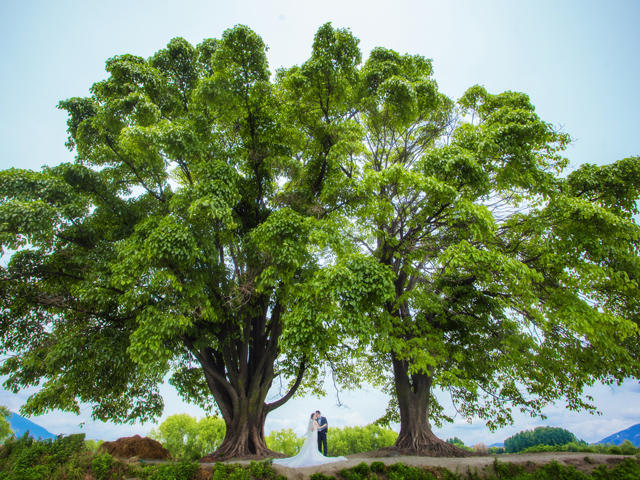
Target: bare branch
x,y
273,405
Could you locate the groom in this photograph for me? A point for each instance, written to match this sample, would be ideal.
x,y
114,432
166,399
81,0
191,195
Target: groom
x,y
322,433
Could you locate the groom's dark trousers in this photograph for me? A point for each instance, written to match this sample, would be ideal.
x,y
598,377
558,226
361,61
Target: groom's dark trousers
x,y
322,436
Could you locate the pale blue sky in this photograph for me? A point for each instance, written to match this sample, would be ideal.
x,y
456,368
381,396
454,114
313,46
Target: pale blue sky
x,y
578,61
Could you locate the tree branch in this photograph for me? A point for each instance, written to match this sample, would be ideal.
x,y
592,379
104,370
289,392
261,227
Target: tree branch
x,y
273,405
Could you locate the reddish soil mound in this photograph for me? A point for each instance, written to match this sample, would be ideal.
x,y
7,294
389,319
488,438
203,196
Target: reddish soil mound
x,y
136,446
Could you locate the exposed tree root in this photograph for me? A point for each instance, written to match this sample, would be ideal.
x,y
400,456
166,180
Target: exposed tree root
x,y
262,455
425,443
239,447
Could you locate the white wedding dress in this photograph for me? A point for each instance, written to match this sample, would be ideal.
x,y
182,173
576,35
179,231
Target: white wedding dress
x,y
308,455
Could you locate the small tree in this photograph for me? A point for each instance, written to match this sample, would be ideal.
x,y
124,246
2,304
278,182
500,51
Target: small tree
x,y
458,443
350,440
210,434
187,438
285,441
480,449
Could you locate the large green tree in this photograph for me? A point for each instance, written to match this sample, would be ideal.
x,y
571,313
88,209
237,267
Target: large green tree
x,y
515,284
228,228
170,247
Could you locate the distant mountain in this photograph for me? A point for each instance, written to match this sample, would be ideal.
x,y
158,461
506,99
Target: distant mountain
x,y
632,434
20,425
500,444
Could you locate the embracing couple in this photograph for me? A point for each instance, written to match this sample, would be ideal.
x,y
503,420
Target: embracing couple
x,y
314,444
321,427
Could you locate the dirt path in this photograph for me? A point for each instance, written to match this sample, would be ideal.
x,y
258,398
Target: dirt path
x,y
585,462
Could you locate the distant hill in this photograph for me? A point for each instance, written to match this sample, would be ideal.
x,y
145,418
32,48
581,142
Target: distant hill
x,y
500,444
632,434
20,425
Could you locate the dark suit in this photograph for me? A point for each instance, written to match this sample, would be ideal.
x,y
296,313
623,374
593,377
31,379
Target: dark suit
x,y
322,435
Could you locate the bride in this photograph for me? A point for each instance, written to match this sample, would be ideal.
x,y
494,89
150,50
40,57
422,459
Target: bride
x,y
308,454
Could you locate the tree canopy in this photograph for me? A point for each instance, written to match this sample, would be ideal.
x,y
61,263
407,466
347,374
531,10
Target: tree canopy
x,y
227,227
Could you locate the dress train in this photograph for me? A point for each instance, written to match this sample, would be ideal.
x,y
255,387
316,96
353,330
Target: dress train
x,y
308,455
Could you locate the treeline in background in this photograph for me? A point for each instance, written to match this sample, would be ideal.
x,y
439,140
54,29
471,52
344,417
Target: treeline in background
x,y
188,438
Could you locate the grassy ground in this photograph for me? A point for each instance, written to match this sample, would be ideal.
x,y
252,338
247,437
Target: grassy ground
x,y
68,458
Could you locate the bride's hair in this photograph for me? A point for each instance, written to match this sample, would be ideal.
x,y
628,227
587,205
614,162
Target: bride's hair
x,y
313,414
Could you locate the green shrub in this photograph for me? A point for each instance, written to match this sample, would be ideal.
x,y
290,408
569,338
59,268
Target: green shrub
x,y
362,469
615,450
378,467
230,472
400,471
628,469
253,471
63,448
506,470
27,459
184,470
627,448
321,476
262,469
101,465
554,471
348,474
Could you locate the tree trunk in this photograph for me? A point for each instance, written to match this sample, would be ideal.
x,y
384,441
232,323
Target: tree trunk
x,y
244,437
414,395
240,379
